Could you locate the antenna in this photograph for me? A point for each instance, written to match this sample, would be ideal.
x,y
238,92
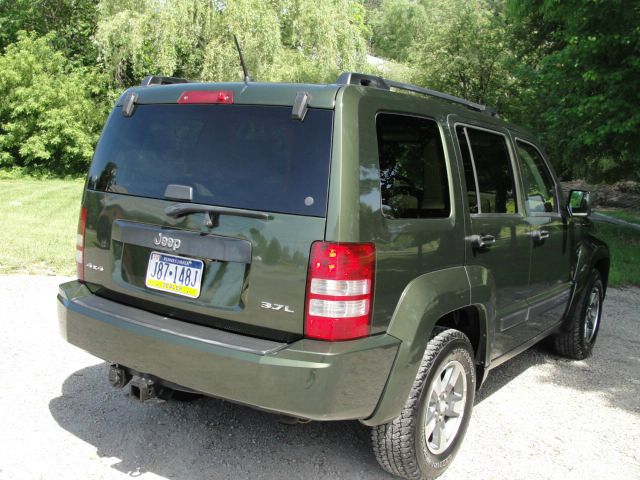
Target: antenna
x,y
244,67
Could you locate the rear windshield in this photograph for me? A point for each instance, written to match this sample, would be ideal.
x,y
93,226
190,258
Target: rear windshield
x,y
252,157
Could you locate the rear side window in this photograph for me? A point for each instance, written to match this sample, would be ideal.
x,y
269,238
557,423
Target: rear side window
x,y
488,171
252,157
413,173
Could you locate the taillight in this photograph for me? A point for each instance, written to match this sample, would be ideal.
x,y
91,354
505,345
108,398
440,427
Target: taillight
x,y
82,223
339,290
206,96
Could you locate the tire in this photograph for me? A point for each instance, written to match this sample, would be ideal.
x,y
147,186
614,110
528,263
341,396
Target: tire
x,y
402,446
579,334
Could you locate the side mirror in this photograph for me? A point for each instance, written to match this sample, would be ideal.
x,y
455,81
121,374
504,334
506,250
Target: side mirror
x,y
579,204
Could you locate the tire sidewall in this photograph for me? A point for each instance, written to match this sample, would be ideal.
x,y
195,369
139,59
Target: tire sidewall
x,y
594,281
434,465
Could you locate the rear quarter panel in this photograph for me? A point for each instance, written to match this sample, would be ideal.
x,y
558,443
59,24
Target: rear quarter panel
x,y
405,248
420,275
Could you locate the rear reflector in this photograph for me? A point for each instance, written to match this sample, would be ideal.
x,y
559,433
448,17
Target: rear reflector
x,y
82,223
206,96
337,309
339,290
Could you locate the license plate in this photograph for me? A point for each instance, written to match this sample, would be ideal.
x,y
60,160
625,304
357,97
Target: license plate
x,y
173,274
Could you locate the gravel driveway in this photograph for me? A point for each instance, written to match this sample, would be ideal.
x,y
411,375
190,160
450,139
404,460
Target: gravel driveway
x,y
537,417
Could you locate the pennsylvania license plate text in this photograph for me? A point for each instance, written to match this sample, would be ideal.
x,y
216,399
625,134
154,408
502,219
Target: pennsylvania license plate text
x,y
173,274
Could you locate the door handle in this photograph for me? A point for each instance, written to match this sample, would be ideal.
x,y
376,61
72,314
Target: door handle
x,y
539,235
482,240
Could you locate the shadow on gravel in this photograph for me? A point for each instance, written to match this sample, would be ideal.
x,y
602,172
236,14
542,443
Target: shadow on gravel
x,y
616,379
505,373
612,371
206,438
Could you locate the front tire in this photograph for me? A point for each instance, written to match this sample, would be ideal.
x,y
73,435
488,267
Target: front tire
x,y
423,440
579,335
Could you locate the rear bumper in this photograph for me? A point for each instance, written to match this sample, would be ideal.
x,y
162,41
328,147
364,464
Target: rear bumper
x,y
308,379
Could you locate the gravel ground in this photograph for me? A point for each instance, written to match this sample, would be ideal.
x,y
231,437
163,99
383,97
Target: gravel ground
x,y
537,417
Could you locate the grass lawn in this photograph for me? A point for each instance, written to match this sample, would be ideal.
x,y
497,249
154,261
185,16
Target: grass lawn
x,y
632,216
624,244
39,219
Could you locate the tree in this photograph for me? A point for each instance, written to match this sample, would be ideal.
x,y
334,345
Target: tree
x,y
188,38
291,40
581,69
463,50
457,46
70,22
321,39
51,112
395,26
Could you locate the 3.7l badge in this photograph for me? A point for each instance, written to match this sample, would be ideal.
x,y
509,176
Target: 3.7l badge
x,y
275,306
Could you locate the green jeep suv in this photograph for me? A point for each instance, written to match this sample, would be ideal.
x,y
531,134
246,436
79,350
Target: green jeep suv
x,y
362,250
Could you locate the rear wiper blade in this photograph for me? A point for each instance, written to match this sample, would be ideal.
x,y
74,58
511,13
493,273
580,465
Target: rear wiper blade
x,y
178,210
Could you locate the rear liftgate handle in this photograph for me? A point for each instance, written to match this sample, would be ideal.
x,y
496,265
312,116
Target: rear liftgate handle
x,y
482,240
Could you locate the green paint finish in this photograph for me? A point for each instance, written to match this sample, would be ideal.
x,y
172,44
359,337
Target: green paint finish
x,y
307,379
232,293
405,248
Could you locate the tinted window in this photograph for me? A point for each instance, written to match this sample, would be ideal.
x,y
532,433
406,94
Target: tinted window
x,y
492,169
538,182
232,155
413,174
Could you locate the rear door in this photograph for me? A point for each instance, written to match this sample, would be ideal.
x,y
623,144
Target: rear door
x,y
550,278
243,269
498,239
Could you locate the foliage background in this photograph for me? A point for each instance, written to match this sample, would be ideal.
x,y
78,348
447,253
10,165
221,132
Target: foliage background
x,y
568,70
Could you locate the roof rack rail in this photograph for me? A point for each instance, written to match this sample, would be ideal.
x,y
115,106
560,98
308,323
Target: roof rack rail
x,y
159,80
354,78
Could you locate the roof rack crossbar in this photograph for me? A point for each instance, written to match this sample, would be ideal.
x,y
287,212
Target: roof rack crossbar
x,y
160,80
352,78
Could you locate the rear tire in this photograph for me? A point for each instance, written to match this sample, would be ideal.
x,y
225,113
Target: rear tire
x,y
579,334
423,440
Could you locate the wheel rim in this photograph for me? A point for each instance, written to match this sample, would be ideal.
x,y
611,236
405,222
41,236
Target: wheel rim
x,y
592,314
445,408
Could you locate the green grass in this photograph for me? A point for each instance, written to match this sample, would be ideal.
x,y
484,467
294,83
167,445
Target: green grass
x,y
632,216
39,218
624,244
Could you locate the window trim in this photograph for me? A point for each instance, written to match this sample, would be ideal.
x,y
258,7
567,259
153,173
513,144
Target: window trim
x,y
473,167
514,170
447,164
556,213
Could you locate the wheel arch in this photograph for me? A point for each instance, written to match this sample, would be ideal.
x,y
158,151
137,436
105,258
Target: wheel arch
x,y
592,253
441,298
472,321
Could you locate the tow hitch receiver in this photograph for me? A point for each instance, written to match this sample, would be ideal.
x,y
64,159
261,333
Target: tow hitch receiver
x,y
148,388
145,390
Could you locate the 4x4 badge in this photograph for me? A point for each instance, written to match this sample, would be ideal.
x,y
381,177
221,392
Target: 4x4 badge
x,y
275,306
